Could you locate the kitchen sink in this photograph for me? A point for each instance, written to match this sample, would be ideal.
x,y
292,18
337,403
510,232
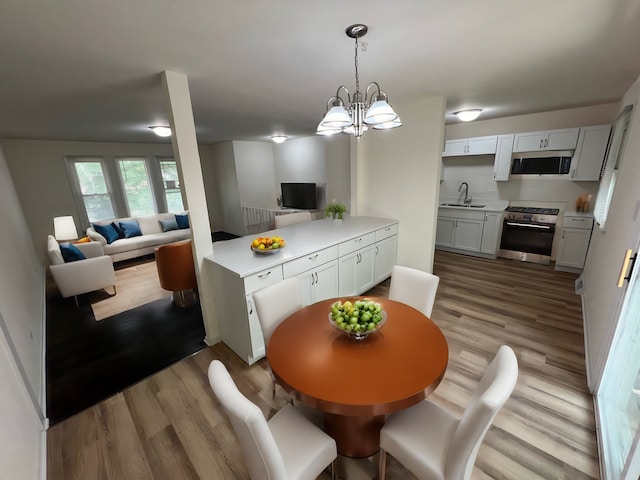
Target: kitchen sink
x,y
461,205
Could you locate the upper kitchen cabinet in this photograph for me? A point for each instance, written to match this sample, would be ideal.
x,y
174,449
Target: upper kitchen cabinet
x,y
470,146
502,163
563,139
589,155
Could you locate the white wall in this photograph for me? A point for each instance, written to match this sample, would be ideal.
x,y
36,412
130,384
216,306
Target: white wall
x,y
255,173
568,118
338,148
601,299
40,177
398,176
227,191
22,397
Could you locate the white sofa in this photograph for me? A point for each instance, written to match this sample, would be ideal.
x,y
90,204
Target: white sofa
x,y
152,236
81,276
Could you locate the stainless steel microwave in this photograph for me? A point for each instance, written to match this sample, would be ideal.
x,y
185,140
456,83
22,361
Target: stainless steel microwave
x,y
541,165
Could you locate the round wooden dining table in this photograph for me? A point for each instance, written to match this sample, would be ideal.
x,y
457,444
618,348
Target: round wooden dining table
x,y
357,382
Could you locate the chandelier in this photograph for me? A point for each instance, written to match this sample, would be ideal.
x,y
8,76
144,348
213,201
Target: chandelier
x,y
359,112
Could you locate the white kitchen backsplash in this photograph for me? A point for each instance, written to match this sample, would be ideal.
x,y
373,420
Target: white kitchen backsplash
x,y
523,190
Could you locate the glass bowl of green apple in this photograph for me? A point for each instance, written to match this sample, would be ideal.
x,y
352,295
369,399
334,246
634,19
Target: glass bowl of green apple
x,y
357,318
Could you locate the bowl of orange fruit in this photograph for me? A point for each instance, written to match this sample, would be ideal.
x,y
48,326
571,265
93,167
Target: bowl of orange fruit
x,y
267,245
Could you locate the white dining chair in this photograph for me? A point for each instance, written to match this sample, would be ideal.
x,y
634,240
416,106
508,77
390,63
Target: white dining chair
x,y
432,443
287,447
275,303
292,218
414,287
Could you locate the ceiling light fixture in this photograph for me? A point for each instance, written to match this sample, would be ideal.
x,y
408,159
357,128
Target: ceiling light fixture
x,y
355,115
278,138
161,131
468,115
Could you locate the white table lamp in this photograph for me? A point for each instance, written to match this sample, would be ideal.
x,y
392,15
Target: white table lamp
x,y
64,228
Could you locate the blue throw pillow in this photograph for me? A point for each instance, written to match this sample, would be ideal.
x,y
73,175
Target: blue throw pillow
x,y
71,253
130,228
182,221
117,229
170,224
107,231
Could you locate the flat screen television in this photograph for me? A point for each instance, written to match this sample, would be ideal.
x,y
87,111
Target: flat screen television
x,y
299,195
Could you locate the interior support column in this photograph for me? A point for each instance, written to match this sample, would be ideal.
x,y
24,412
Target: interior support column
x,y
185,151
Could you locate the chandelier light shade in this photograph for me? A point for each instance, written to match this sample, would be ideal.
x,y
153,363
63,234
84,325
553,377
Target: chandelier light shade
x,y
468,115
64,228
161,131
354,114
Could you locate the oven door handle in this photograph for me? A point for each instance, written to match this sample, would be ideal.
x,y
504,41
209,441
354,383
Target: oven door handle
x,y
529,225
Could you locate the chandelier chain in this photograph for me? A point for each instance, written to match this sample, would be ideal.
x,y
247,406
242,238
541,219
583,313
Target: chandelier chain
x,y
356,64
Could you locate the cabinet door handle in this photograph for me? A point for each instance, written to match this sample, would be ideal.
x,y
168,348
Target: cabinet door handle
x,y
541,142
628,259
249,307
563,235
316,274
264,275
358,240
377,250
312,258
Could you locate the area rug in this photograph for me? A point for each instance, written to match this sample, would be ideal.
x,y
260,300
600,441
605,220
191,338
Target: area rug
x,y
136,284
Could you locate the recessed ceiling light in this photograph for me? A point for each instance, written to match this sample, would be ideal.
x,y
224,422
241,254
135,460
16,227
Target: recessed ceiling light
x,y
161,131
278,138
468,115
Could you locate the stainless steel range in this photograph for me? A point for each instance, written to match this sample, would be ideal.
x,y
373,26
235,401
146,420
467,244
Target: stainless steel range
x,y
527,234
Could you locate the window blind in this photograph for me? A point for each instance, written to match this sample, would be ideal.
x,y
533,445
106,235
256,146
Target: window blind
x,y
609,168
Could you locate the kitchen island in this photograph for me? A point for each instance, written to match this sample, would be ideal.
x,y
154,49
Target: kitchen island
x,y
331,258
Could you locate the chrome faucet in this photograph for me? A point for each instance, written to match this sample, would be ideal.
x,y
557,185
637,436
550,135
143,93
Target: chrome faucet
x,y
467,198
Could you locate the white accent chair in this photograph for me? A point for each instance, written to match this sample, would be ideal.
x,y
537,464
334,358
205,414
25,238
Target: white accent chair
x,y
435,445
287,447
275,303
82,276
414,287
292,218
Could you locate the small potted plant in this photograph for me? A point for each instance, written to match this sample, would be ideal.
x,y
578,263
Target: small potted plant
x,y
335,211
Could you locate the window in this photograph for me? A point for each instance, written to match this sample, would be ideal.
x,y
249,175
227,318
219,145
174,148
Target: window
x,y
92,186
171,185
111,187
136,186
610,167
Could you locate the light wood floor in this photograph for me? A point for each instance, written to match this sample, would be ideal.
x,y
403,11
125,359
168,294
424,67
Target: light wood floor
x,y
169,426
136,284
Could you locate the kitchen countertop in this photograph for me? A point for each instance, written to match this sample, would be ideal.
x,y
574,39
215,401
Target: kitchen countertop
x,y
301,239
488,206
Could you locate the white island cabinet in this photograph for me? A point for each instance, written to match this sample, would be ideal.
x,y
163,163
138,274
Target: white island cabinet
x,y
358,252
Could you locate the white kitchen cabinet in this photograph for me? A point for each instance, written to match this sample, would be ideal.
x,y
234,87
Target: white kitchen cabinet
x,y
386,253
460,229
470,146
589,155
574,243
502,163
445,230
491,233
320,283
562,139
356,271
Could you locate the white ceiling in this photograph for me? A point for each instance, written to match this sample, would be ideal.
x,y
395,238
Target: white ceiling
x,y
90,69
